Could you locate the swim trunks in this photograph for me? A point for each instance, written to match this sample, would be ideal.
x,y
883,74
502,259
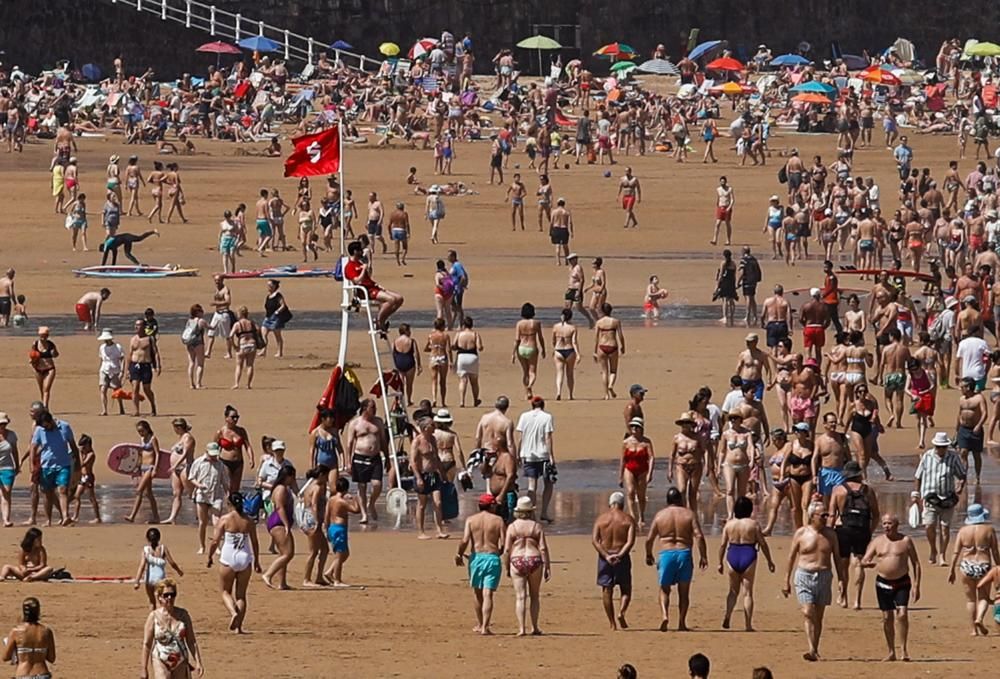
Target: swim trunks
x,y
628,202
374,227
893,382
484,571
365,468
83,313
968,439
852,541
813,336
615,575
892,594
263,228
830,478
814,587
337,534
675,566
776,331
140,372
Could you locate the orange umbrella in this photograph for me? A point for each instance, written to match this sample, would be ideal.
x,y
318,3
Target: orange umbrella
x,y
724,64
812,98
879,76
728,88
614,95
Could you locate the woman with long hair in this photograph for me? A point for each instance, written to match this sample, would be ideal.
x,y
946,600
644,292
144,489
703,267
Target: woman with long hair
x,y
528,341
33,560
133,178
155,180
42,357
565,353
467,345
725,287
30,645
181,457
279,524
236,538
234,442
444,290
150,455
244,335
175,192
193,338
439,348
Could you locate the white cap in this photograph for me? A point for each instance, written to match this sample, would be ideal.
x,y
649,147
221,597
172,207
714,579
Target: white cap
x,y
277,444
814,292
617,498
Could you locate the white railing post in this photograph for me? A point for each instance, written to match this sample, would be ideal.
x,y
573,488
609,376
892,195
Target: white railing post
x,y
163,10
211,20
239,17
260,25
187,15
310,51
138,5
286,44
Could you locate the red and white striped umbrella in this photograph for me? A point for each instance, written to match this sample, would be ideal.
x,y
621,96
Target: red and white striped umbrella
x,y
422,47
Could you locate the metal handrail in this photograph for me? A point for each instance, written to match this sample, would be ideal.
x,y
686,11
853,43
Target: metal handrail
x,y
220,22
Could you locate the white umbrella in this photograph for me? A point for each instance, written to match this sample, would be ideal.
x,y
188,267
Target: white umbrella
x,y
659,67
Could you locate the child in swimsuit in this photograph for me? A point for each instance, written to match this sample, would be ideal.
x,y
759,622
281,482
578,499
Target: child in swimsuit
x,y
153,565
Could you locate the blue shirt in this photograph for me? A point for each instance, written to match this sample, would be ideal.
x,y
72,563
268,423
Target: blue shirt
x,y
54,444
903,154
458,273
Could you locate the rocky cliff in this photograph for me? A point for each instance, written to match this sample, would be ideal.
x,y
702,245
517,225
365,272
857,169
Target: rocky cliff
x,y
34,34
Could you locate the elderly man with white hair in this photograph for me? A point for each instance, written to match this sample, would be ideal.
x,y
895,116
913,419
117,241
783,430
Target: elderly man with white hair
x,y
613,538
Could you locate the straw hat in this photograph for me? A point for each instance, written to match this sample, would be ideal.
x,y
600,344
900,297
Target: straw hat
x,y
443,416
105,335
524,504
686,417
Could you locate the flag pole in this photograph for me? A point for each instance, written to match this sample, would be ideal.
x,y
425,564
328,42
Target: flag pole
x,y
346,300
340,177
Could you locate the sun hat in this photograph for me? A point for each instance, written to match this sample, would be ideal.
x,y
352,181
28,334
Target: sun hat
x,y
617,498
213,449
4,419
105,335
852,470
686,417
950,303
43,330
802,426
941,439
774,197
443,416
752,337
572,255
278,444
114,158
976,514
524,504
637,422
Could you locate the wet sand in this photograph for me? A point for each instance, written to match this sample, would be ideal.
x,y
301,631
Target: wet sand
x,y
383,630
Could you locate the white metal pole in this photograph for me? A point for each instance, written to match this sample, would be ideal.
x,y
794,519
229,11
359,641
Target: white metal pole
x,y
310,51
211,20
138,5
163,10
260,26
187,15
239,18
286,44
340,180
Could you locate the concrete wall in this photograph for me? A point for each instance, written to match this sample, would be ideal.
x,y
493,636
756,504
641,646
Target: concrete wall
x,y
35,33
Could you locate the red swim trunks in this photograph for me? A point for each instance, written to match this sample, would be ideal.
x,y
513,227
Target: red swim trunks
x,y
628,202
813,336
83,313
723,214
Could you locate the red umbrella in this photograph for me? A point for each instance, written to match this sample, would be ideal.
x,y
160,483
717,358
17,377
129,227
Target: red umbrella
x,y
879,76
422,47
724,64
219,47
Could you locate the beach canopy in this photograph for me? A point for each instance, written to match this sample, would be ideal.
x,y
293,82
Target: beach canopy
x,y
389,49
983,49
815,87
618,50
219,47
539,42
790,60
659,67
341,45
259,43
812,98
908,76
704,49
724,64
622,67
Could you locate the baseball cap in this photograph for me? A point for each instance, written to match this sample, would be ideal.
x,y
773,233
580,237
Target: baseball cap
x,y
277,444
802,426
617,498
637,389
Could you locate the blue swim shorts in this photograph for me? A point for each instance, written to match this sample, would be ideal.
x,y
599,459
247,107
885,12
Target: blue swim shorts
x,y
484,571
337,533
675,566
54,477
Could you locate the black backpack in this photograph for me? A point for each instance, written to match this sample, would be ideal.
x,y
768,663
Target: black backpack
x,y
857,512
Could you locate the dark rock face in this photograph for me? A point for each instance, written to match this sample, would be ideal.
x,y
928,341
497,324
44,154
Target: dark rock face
x,y
35,34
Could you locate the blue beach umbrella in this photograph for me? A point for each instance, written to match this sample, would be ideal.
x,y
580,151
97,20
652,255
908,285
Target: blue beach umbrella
x,y
815,87
790,60
703,49
91,72
259,43
341,45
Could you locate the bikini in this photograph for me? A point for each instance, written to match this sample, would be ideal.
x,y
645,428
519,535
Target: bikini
x,y
741,556
27,650
796,461
235,443
526,565
608,349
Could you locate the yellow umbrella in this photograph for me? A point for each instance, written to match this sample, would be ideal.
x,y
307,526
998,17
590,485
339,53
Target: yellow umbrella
x,y
389,49
983,49
731,88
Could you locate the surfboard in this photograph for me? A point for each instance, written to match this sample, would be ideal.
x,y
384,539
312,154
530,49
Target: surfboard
x,y
131,271
125,458
280,272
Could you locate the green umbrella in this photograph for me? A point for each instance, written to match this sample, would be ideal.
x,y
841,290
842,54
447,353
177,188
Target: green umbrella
x,y
622,67
983,49
539,42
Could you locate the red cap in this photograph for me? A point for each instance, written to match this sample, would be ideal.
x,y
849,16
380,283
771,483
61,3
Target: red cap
x,y
486,499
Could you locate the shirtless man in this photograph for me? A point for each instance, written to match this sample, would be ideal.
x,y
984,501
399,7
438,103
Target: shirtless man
x,y
561,231
265,232
831,451
753,366
776,318
972,416
892,375
675,529
376,213
484,534
868,241
609,346
89,307
7,297
796,171
574,286
276,211
496,425
515,194
366,447
725,201
427,476
807,389
399,232
613,538
891,555
143,358
633,409
222,319
499,468
815,318
630,193
811,559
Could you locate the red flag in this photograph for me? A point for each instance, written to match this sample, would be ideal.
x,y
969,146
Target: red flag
x,y
315,154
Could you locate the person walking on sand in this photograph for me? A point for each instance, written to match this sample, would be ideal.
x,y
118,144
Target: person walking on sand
x,y
169,643
279,524
526,560
153,565
143,358
976,553
675,529
741,538
630,193
535,429
338,509
854,513
236,539
31,646
613,537
428,475
891,555
609,347
934,483
811,559
635,471
210,480
725,201
483,536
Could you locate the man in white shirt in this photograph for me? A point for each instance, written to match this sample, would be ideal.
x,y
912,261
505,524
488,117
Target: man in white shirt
x,y
970,359
112,367
734,397
534,434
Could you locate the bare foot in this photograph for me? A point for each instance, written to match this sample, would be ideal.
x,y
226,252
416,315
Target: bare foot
x,y
424,536
487,632
621,622
810,656
520,634
129,519
537,632
663,626
443,536
890,658
725,623
234,622
683,628
267,582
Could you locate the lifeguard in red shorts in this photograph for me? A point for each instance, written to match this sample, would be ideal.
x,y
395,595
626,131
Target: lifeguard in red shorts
x,y
356,271
814,318
631,193
725,200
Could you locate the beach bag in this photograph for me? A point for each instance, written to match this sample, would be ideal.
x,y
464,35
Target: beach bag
x,y
937,329
783,175
857,512
253,502
191,333
303,516
285,315
447,286
449,501
914,515
258,338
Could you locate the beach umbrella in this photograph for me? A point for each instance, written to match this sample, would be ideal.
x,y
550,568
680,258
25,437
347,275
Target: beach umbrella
x,y
422,47
219,47
258,43
389,49
704,49
812,98
341,45
727,88
539,42
790,60
815,87
908,76
724,64
879,76
91,72
617,50
854,62
622,67
659,67
983,49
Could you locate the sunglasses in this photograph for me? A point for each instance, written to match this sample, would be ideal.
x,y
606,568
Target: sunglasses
x,y
234,417
168,595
